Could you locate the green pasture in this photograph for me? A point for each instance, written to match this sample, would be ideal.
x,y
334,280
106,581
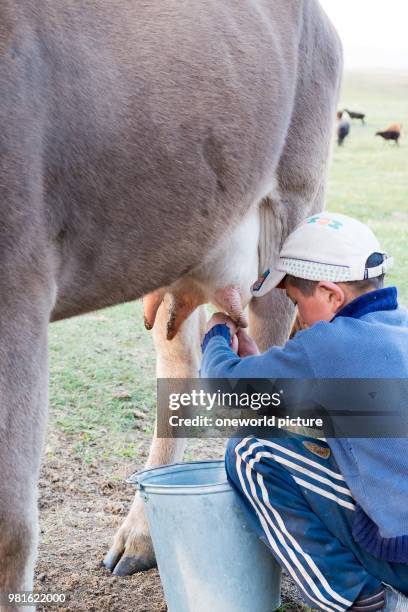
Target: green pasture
x,y
368,176
102,364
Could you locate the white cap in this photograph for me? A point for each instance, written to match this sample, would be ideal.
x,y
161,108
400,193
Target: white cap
x,y
327,246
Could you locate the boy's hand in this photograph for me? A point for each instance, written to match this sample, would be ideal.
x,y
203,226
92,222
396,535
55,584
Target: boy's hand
x,y
241,341
221,318
246,345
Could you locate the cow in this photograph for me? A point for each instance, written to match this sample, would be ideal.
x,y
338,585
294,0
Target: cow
x,y
343,128
158,149
355,115
392,132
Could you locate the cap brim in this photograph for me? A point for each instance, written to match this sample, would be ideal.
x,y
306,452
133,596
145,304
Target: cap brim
x,y
268,281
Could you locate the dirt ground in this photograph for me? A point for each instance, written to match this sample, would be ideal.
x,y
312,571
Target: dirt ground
x,y
80,509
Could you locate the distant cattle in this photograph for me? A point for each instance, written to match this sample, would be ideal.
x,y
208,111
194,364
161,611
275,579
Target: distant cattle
x,y
355,115
343,128
390,135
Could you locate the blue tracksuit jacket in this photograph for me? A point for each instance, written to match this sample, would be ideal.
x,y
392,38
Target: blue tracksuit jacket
x,y
368,338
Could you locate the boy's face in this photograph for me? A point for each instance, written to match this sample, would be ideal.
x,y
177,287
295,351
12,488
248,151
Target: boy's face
x,y
325,302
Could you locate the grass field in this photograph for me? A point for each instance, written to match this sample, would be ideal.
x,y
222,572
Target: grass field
x,y
102,392
368,177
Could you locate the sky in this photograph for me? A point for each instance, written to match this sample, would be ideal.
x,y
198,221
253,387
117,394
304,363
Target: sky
x,y
374,32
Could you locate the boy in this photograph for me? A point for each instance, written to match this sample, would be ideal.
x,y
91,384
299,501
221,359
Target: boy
x,y
334,513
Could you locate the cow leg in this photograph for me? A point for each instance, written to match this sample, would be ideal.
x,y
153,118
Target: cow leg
x,y
132,549
302,170
25,305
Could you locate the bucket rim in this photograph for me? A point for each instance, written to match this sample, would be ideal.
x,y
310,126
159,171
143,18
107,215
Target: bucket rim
x,y
136,479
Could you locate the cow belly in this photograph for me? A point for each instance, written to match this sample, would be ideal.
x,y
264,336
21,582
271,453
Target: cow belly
x,y
223,279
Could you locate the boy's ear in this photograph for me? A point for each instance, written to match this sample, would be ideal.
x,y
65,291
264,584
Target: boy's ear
x,y
334,293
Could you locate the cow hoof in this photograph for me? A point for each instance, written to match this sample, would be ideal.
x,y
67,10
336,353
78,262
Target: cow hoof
x,y
137,556
130,565
111,559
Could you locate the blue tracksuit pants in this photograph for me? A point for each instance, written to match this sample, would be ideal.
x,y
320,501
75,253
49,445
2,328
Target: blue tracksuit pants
x,y
300,505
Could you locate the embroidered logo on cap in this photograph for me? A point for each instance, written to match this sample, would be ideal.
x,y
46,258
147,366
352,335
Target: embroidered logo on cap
x,y
321,451
333,223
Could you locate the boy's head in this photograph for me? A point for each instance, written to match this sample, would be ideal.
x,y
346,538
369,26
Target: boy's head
x,y
325,263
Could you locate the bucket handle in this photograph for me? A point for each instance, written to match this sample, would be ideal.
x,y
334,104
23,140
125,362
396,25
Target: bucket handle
x,y
134,479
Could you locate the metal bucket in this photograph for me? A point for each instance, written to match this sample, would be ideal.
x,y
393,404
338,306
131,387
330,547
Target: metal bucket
x,y
209,558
